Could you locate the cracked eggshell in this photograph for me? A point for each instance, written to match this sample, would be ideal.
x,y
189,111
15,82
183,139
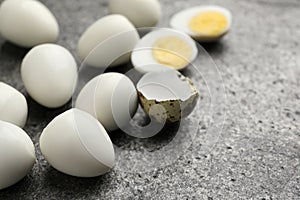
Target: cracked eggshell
x,y
167,96
27,23
142,13
49,74
17,154
111,98
107,42
13,105
75,143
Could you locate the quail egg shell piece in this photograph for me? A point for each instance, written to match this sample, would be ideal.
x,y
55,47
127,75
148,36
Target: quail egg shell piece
x,y
108,42
76,144
49,74
203,23
167,96
27,23
111,98
17,154
145,13
164,49
13,105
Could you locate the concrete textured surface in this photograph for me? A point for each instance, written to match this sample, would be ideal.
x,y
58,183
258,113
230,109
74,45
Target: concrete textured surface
x,y
257,155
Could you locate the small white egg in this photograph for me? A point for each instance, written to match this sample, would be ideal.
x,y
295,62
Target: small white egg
x,y
108,42
111,98
13,105
163,49
49,73
27,23
142,13
76,144
17,154
203,23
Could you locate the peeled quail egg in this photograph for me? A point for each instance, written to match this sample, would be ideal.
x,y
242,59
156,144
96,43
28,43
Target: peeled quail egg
x,y
27,23
142,13
75,143
111,98
13,105
17,154
167,96
49,73
203,23
108,42
163,49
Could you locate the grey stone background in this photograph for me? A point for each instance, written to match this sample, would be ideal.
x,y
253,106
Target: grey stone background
x,y
257,155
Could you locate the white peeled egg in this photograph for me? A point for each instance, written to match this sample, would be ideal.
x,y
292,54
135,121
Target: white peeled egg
x,y
108,42
17,154
163,49
49,73
111,98
203,23
76,144
27,23
13,105
142,13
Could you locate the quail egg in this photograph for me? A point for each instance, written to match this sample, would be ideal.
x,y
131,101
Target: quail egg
x,y
76,144
164,49
203,23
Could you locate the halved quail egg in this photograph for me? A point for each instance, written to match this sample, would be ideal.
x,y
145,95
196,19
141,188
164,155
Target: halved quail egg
x,y
203,23
163,49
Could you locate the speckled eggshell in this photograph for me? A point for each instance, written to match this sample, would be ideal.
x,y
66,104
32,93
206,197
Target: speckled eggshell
x,y
166,110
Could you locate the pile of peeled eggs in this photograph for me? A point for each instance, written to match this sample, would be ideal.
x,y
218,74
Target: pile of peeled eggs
x,y
76,142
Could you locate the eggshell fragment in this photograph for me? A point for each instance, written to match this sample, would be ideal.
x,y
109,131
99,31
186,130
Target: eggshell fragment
x,y
27,23
108,42
13,105
75,143
49,73
111,98
17,154
142,13
167,96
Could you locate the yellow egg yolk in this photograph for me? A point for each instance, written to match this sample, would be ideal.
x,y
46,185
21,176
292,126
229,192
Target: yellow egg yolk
x,y
210,23
172,51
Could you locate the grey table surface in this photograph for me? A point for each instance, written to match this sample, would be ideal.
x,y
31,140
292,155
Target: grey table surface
x,y
257,154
